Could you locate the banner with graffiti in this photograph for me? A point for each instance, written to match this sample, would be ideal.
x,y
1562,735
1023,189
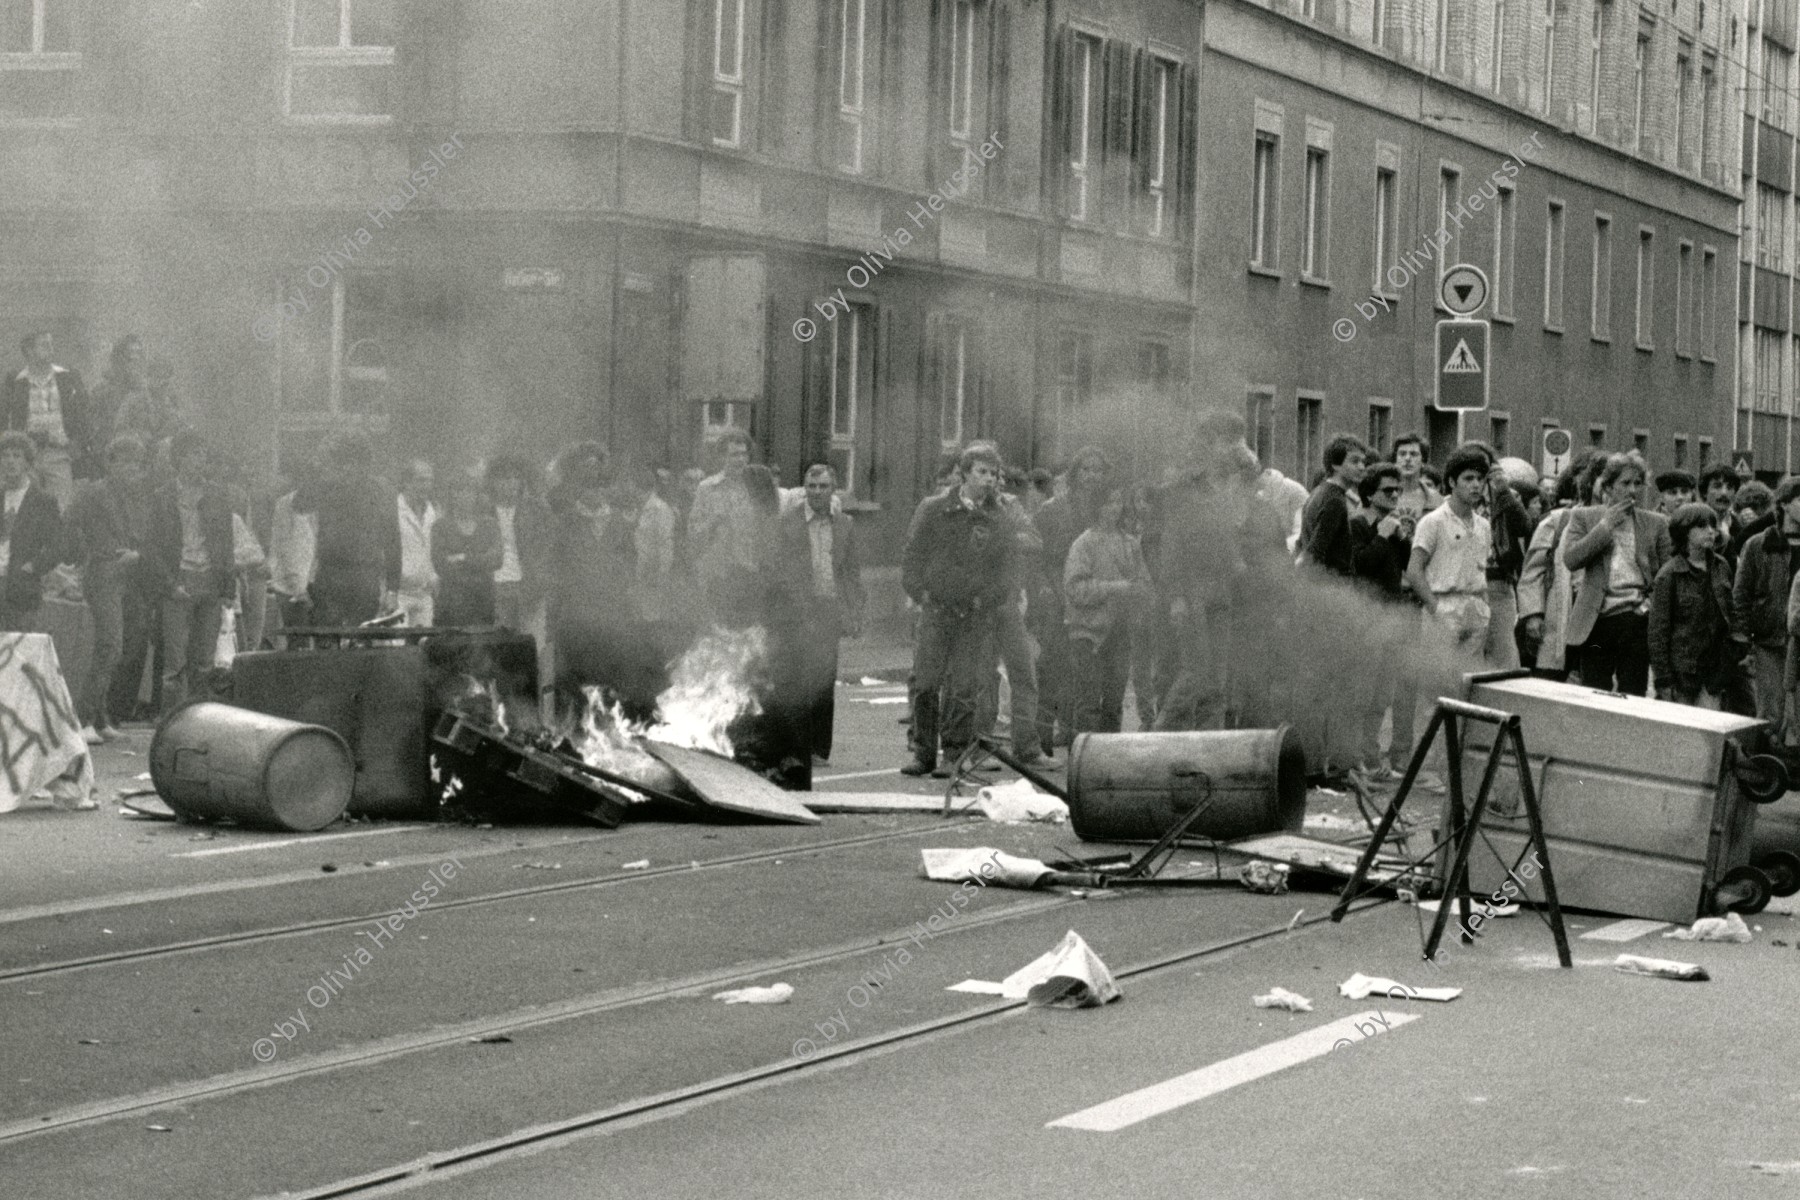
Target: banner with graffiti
x,y
41,747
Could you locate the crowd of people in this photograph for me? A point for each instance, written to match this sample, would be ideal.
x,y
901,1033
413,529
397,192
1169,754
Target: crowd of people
x,y
1225,595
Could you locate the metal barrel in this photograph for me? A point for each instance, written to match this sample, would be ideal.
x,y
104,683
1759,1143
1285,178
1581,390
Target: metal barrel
x,y
1126,787
217,760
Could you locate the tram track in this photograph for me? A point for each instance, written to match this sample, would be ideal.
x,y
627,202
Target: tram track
x,y
139,954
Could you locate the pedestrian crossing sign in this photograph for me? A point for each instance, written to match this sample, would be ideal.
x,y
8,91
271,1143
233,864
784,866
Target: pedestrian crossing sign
x,y
1461,377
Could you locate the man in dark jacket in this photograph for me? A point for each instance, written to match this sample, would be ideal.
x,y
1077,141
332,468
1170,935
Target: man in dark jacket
x,y
358,555
1325,521
1381,540
1060,521
822,547
107,526
958,568
191,556
1765,572
30,534
49,402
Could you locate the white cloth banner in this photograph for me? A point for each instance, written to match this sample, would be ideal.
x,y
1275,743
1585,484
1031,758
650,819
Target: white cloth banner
x,y
40,736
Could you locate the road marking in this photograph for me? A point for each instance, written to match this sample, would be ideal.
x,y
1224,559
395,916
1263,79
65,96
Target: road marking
x,y
1153,1101
309,839
1623,931
856,775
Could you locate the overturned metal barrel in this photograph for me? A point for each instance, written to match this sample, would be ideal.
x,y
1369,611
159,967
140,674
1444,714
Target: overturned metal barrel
x,y
216,760
1129,787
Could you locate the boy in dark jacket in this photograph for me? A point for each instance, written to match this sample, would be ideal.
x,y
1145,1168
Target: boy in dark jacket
x,y
1381,537
191,559
1690,612
958,568
30,534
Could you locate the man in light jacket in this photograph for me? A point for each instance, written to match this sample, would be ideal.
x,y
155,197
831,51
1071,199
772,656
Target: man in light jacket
x,y
1614,550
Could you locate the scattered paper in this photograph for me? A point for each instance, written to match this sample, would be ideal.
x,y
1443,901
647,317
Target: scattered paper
x,y
1266,877
778,993
1660,968
1359,985
1018,803
981,987
1070,976
1282,998
1477,907
1728,928
639,865
956,866
1331,821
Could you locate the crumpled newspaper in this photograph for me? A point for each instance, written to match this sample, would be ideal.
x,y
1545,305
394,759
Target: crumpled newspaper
x,y
1728,928
1070,976
956,866
1359,985
1660,968
778,993
1282,998
1017,803
1261,876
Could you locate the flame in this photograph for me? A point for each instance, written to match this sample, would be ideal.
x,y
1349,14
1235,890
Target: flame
x,y
483,699
710,687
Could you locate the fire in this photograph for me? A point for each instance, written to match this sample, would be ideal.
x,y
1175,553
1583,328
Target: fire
x,y
709,688
483,698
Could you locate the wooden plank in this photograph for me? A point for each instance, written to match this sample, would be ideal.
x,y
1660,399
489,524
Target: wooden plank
x,y
723,784
873,802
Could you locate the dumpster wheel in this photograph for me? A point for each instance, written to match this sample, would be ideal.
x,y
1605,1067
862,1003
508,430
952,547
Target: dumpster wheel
x,y
1742,890
1783,869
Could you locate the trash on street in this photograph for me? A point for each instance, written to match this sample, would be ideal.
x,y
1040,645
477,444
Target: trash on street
x,y
1359,985
1660,968
958,866
778,993
1282,998
1728,928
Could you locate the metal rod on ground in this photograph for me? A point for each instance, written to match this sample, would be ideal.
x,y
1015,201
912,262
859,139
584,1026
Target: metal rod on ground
x,y
1036,780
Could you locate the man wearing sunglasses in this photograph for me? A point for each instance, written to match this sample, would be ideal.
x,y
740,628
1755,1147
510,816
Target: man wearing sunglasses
x,y
1381,537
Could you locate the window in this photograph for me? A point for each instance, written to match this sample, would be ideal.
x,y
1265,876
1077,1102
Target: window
x,y
852,47
1161,103
1771,226
1684,299
1777,68
1265,212
953,374
1706,449
1378,21
1309,437
962,69
1769,391
1681,452
725,115
1499,432
851,390
1594,42
1074,385
1506,234
1597,436
1449,199
1318,213
1387,217
1442,29
1684,78
333,361
1553,265
1646,288
1549,53
38,60
1381,416
1259,420
1640,128
1640,441
340,63
1706,297
1085,124
1709,97
1600,315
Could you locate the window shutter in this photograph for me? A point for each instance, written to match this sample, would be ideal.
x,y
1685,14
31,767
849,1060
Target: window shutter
x,y
829,73
815,392
699,72
1062,91
1143,138
937,133
1187,176
766,90
999,99
1117,124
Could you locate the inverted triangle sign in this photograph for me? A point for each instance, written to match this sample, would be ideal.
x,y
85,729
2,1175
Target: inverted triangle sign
x,y
1462,291
1462,360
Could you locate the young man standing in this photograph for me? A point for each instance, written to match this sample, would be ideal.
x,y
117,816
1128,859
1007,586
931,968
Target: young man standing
x,y
1674,489
1325,523
958,568
416,514
190,539
1613,554
825,542
1382,537
48,402
1451,548
30,533
1765,573
108,527
721,527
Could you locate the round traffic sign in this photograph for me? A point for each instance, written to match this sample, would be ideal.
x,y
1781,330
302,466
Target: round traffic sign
x,y
1558,442
1464,289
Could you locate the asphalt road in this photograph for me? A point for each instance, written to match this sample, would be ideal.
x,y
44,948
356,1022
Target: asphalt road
x,y
187,1015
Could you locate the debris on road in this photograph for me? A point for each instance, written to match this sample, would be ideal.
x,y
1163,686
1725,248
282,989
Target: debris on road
x,y
530,866
778,993
642,864
492,1039
1359,985
961,866
1018,803
1728,928
1070,976
1476,906
1660,968
1282,998
1261,876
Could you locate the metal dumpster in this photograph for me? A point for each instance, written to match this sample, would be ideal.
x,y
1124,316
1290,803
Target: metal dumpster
x,y
1649,808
